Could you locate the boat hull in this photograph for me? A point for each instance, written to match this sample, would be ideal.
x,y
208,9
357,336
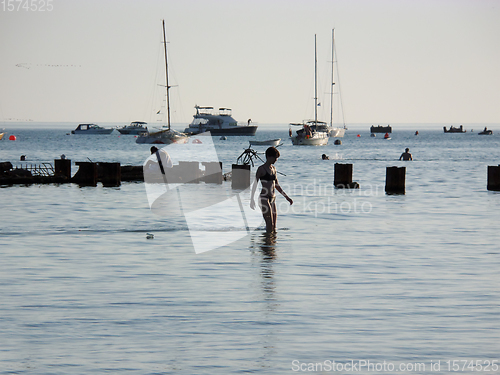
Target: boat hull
x,y
132,131
165,137
237,130
93,132
312,141
160,140
272,142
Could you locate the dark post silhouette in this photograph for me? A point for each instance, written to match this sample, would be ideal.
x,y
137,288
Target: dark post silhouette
x,y
493,178
343,177
62,168
110,174
240,176
395,180
86,174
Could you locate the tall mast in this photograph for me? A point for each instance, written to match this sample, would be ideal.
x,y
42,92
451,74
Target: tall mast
x,y
333,78
166,75
315,84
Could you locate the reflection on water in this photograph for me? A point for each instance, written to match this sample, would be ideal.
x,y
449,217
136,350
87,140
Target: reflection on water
x,y
264,246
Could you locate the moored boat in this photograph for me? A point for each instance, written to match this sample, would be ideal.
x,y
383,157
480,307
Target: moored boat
x,y
91,129
380,129
453,129
486,131
135,128
218,123
313,133
1,135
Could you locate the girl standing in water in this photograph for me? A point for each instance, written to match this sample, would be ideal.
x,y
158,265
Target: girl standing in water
x,y
266,173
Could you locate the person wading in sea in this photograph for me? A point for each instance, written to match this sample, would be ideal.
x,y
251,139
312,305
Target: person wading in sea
x,y
266,173
406,155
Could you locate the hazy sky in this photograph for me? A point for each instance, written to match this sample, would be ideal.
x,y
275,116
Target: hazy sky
x,y
419,61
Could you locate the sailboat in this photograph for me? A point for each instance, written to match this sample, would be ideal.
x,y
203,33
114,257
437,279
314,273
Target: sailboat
x,y
312,132
334,131
168,135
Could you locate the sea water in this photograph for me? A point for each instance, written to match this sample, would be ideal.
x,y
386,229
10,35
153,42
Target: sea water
x,y
354,281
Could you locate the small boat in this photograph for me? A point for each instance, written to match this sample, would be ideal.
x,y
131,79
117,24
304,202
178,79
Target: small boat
x,y
380,129
135,128
1,135
486,131
313,132
218,123
91,129
387,136
270,142
452,129
167,135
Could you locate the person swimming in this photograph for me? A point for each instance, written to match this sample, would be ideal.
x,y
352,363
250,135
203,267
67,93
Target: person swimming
x,y
266,173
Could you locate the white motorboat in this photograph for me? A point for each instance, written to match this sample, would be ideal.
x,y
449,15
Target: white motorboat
x,y
313,132
135,128
91,129
166,135
218,123
270,142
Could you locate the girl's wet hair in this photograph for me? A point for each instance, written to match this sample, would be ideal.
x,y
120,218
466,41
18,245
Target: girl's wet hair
x,y
272,152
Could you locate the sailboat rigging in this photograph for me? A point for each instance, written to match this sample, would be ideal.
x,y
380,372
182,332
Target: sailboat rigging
x,y
165,136
334,131
313,132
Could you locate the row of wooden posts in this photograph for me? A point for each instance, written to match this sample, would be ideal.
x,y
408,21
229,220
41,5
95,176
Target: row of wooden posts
x,y
395,178
110,174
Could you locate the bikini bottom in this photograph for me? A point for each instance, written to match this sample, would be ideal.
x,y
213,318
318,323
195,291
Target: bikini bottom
x,y
266,202
271,199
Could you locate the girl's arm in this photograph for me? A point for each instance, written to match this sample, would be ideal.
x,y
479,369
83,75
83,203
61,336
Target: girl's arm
x,y
282,192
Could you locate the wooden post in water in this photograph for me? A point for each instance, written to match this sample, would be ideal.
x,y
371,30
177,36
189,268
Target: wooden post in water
x,y
86,174
493,178
240,176
62,168
110,174
395,180
342,178
189,172
213,172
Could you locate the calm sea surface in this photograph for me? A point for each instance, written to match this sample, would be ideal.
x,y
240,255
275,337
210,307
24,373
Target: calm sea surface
x,y
357,277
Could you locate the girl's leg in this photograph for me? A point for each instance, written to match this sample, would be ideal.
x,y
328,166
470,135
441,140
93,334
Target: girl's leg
x,y
265,206
274,214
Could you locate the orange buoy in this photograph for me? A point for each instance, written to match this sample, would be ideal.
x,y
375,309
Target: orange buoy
x,y
12,137
358,135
